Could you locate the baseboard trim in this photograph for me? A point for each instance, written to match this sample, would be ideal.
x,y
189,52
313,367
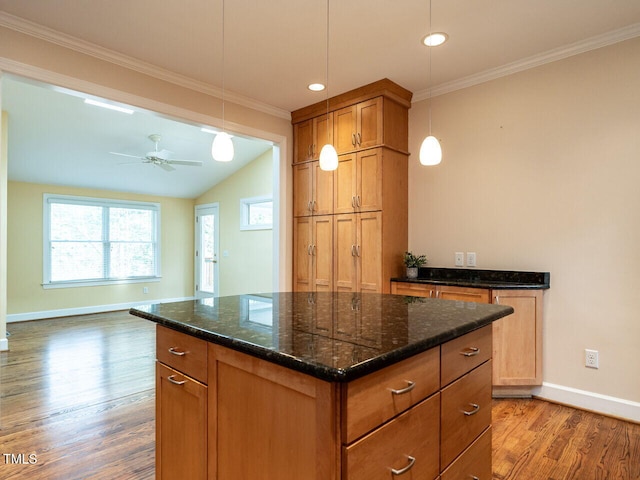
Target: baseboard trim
x,y
67,312
594,402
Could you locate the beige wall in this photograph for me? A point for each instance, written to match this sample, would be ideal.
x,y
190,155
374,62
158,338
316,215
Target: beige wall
x,y
248,268
540,172
4,122
24,270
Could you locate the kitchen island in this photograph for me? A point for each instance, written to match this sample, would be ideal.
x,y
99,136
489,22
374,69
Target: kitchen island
x,y
323,386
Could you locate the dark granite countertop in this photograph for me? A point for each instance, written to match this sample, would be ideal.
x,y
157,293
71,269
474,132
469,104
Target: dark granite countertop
x,y
332,336
468,277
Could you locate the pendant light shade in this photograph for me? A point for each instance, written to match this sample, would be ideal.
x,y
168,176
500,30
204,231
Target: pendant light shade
x,y
430,151
328,158
222,148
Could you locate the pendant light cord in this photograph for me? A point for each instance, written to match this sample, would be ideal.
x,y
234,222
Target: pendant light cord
x,y
223,65
327,72
430,47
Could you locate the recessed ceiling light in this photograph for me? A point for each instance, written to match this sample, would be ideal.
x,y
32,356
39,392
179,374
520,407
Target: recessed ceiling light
x,y
96,103
316,87
435,39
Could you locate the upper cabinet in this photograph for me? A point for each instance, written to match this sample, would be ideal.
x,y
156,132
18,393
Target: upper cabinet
x,y
365,200
310,136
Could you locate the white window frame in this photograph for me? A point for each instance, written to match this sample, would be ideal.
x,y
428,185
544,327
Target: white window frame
x,y
48,199
245,205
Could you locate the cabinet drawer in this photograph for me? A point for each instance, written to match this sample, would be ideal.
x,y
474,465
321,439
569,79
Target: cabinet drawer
x,y
475,461
413,435
465,353
183,352
466,412
413,289
374,399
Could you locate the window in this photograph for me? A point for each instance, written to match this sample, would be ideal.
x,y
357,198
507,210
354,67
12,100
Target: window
x,y
256,213
90,241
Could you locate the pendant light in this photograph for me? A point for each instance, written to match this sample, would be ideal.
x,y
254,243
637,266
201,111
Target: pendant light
x,y
328,154
430,150
222,146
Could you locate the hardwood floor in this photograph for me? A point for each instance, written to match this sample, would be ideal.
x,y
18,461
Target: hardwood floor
x,y
536,440
78,394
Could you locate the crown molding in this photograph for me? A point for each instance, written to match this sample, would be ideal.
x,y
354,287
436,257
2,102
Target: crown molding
x,y
67,41
560,53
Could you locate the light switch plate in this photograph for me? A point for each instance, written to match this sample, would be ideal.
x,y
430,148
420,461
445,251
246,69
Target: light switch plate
x,y
471,259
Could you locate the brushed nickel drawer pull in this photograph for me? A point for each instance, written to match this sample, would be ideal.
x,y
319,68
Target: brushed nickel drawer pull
x,y
407,389
172,379
473,477
179,353
470,352
400,471
476,409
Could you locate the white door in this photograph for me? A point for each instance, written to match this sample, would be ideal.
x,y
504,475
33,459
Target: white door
x,y
207,239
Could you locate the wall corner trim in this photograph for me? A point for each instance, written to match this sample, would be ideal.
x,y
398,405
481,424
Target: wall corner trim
x,y
594,402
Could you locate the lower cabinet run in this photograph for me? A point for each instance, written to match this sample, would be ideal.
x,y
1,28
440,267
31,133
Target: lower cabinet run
x,y
423,417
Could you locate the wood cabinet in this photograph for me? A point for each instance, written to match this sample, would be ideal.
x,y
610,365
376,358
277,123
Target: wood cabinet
x,y
310,136
370,129
181,406
313,253
517,339
255,419
313,192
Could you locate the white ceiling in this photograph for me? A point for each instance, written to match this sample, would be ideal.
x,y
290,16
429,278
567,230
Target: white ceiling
x,y
273,50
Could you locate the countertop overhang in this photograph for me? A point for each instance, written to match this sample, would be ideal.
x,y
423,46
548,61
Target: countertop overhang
x,y
477,278
333,336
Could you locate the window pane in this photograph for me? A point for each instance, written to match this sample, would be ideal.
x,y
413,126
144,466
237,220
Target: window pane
x,y
132,260
130,225
76,261
75,222
261,213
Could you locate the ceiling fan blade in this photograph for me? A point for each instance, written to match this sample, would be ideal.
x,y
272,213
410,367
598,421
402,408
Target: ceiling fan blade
x,y
165,167
193,163
126,155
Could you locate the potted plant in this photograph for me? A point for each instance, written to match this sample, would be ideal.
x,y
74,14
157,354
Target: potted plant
x,y
413,262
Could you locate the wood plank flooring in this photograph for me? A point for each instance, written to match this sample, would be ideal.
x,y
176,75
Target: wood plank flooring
x,y
78,394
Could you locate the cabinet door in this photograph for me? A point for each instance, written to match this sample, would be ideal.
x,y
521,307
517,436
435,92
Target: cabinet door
x,y
369,181
413,289
302,189
369,123
517,339
322,133
369,252
344,129
345,185
322,253
303,141
321,190
302,259
478,295
345,259
181,426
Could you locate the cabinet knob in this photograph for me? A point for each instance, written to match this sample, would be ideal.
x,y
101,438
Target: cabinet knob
x,y
400,471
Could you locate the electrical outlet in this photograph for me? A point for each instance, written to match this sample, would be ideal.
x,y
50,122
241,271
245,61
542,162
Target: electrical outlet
x,y
145,289
591,358
471,259
459,259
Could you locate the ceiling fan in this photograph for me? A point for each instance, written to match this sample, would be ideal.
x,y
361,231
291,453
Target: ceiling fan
x,y
160,158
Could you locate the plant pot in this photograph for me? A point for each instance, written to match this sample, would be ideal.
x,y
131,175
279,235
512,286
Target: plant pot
x,y
412,272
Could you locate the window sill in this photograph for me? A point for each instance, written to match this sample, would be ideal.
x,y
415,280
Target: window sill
x,y
96,283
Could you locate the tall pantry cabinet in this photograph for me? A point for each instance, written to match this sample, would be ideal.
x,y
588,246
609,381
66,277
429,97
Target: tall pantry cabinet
x,y
350,225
